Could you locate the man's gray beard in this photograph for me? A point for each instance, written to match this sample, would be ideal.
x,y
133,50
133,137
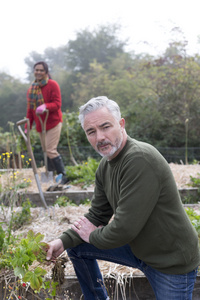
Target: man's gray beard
x,y
113,150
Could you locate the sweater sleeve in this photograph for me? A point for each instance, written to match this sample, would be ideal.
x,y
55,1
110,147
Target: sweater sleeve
x,y
53,102
70,239
100,211
98,215
139,193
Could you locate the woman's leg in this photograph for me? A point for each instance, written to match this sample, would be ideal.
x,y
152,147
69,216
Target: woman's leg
x,y
52,140
54,159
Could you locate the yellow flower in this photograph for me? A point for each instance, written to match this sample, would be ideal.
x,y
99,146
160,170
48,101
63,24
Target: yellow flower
x,y
22,156
29,159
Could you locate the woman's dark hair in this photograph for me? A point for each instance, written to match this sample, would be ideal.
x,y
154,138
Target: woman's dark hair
x,y
46,68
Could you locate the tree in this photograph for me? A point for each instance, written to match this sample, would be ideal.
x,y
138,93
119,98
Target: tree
x,y
101,46
12,100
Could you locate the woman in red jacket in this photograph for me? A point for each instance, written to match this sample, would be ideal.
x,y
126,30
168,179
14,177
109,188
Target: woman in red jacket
x,y
43,94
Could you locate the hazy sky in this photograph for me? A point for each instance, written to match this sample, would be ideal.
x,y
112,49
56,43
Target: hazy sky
x,y
27,26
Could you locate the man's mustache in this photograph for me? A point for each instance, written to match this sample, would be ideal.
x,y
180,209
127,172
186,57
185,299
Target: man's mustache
x,y
104,143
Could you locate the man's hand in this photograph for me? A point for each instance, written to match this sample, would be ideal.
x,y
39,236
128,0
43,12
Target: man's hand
x,y
55,249
84,228
41,109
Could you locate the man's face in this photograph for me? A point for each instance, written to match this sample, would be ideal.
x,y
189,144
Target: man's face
x,y
104,132
39,72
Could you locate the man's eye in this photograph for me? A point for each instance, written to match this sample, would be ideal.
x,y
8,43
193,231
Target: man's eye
x,y
91,132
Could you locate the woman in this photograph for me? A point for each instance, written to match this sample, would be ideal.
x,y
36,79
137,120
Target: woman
x,y
44,94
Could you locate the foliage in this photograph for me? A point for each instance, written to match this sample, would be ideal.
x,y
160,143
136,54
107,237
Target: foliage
x,y
83,173
195,220
34,139
12,100
23,217
76,134
156,94
2,236
190,198
64,201
195,181
100,45
21,257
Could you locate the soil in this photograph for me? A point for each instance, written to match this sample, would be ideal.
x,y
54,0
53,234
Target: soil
x,y
51,223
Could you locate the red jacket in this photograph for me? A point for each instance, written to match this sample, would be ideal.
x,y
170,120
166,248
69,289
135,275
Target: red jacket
x,y
52,98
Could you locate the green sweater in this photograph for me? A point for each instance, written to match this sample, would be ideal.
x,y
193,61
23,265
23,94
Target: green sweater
x,y
138,190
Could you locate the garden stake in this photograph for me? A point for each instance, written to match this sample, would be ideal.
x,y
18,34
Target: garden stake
x,y
33,164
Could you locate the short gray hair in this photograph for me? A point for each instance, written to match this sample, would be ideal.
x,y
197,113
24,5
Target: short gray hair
x,y
97,103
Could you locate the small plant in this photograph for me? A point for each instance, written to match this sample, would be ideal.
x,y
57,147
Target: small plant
x,y
195,162
5,160
64,201
85,201
25,259
195,182
23,217
25,161
83,173
195,220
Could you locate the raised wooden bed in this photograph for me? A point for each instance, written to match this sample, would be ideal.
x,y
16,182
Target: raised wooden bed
x,y
81,195
134,288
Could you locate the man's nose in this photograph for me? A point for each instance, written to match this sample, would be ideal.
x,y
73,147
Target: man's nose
x,y
100,136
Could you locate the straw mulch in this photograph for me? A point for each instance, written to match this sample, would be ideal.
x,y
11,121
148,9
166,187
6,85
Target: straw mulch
x,y
181,174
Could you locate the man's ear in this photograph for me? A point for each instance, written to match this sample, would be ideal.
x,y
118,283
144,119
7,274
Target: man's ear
x,y
122,123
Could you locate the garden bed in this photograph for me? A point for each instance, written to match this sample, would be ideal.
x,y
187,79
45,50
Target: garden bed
x,y
52,222
181,174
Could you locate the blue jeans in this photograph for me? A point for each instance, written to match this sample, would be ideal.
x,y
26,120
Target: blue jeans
x,y
165,286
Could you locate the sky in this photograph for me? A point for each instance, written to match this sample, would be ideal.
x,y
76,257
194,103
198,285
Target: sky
x,y
27,26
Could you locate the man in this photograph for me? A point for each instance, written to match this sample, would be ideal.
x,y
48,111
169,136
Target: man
x,y
149,230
